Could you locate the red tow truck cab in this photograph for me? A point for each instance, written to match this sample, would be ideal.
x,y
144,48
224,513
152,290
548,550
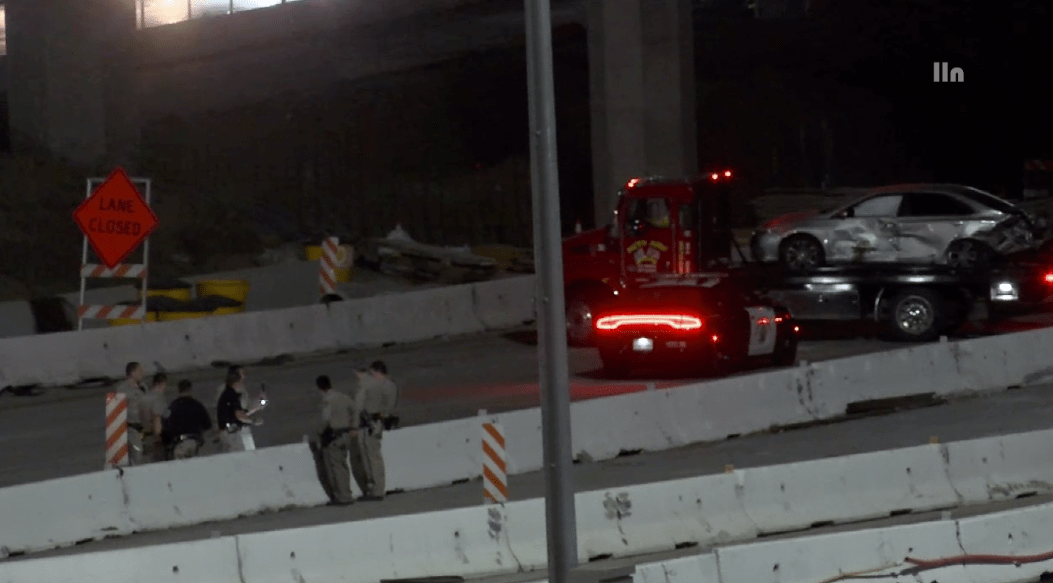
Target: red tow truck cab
x,y
660,227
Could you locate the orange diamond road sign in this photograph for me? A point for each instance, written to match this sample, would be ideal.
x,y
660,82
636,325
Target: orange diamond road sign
x,y
115,218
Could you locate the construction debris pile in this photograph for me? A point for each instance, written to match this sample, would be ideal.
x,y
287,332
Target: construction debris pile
x,y
399,254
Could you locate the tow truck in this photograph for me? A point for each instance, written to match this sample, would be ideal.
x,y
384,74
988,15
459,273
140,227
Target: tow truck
x,y
678,228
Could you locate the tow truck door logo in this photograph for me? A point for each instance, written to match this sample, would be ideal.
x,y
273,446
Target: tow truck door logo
x,y
646,254
762,330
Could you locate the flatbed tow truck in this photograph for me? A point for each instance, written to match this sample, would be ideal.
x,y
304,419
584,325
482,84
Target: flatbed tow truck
x,y
678,228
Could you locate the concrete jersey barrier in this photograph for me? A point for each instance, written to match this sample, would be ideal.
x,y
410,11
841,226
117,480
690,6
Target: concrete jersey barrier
x,y
620,522
189,344
714,410
58,513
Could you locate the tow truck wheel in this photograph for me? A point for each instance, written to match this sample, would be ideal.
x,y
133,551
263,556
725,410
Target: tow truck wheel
x,y
802,254
916,315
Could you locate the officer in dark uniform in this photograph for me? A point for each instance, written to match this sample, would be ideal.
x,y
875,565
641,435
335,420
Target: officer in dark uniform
x,y
187,422
231,416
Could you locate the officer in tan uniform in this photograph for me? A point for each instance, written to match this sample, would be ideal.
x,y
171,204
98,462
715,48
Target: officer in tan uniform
x,y
132,388
334,443
374,402
154,410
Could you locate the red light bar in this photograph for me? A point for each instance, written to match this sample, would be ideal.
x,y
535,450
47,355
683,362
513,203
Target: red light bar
x,y
675,321
727,174
764,321
715,176
1049,277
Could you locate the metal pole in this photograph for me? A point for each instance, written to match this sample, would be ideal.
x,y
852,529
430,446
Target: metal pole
x,y
144,286
83,262
554,372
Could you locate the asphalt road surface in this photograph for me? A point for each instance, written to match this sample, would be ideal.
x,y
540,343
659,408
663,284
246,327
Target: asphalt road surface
x,y
60,432
998,414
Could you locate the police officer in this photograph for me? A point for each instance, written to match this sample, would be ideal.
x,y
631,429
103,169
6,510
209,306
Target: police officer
x,y
187,422
231,416
154,410
247,403
334,442
374,403
132,388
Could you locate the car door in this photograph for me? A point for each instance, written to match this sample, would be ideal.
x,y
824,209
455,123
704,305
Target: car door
x,y
647,239
865,231
929,221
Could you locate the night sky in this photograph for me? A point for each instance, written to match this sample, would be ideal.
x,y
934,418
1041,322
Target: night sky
x,y
980,129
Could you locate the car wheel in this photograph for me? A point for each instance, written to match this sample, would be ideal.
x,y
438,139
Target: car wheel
x,y
786,352
580,309
969,255
802,254
916,315
615,364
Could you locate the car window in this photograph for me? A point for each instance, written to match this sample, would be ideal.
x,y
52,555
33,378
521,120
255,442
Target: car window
x,y
988,200
879,206
931,204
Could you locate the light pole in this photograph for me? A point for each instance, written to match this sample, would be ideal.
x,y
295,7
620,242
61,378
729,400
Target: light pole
x,y
554,372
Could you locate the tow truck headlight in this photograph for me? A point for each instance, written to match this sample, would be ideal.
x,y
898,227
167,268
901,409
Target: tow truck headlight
x,y
1004,291
643,345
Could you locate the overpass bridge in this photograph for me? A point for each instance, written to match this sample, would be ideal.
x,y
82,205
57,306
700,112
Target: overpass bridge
x,y
84,75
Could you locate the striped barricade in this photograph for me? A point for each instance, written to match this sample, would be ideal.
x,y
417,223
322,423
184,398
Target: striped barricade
x,y
327,266
495,470
116,430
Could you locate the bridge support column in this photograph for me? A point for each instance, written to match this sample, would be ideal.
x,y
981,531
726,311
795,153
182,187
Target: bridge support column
x,y
71,91
641,64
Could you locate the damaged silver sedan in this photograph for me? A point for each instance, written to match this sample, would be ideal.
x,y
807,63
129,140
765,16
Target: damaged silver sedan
x,y
948,224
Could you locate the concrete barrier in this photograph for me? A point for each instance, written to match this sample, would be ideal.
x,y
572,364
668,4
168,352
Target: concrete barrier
x,y
696,569
213,560
451,542
1017,533
715,410
62,512
58,513
647,518
450,451
660,516
826,557
189,344
1001,468
856,487
206,489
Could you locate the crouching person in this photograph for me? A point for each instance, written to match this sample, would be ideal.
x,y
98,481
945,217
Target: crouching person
x,y
188,421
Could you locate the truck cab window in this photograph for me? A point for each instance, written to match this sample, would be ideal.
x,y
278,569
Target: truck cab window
x,y
653,212
687,217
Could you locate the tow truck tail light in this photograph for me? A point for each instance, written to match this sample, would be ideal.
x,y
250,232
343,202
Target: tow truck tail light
x,y
674,321
1049,277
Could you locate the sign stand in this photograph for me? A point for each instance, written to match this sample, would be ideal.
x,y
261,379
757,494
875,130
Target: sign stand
x,y
118,271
